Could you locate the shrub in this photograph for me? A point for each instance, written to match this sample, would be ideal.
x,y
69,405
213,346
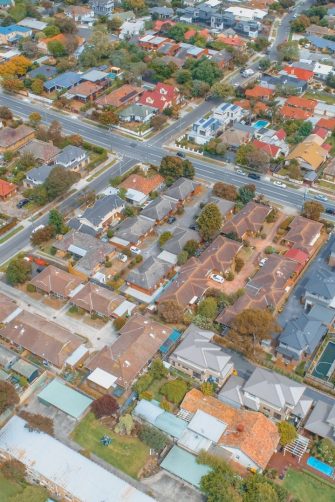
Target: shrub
x,y
174,390
143,383
230,276
146,395
39,422
119,322
108,264
105,406
286,223
269,250
153,437
239,264
165,405
207,388
272,216
31,288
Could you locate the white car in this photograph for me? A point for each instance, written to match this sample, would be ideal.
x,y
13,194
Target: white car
x,y
217,278
279,184
122,257
135,250
262,262
242,173
37,228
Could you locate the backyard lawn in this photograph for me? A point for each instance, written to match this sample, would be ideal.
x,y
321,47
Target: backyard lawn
x,y
126,453
10,488
307,488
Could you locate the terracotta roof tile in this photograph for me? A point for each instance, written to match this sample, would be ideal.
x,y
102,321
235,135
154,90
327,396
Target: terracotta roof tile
x,y
6,188
291,112
142,184
306,104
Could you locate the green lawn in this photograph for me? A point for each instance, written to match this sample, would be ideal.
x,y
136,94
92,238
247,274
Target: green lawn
x,y
307,488
128,454
10,488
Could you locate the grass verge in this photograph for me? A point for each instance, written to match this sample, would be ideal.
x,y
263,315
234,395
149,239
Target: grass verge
x,y
11,233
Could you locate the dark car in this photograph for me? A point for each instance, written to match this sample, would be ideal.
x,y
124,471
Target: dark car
x,y
22,203
193,226
329,210
171,220
181,154
254,176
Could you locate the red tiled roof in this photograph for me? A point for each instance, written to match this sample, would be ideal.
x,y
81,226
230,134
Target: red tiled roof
x,y
260,107
271,150
141,183
6,188
327,147
191,33
326,123
320,131
243,103
306,104
163,95
290,112
258,92
281,134
299,73
158,24
233,41
297,255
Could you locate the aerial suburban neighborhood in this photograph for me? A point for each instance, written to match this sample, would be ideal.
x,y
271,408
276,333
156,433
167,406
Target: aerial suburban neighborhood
x,y
167,250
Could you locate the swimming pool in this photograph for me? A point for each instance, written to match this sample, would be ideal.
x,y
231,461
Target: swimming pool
x,y
316,464
326,364
260,123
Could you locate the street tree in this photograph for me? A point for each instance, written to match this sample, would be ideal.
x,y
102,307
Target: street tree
x,y
114,24
35,118
173,168
157,122
108,118
18,271
225,191
246,193
37,86
313,210
59,181
55,131
250,327
209,221
41,235
8,396
56,220
170,311
5,113
222,90
288,51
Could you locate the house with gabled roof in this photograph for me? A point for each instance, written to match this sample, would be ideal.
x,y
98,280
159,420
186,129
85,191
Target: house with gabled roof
x,y
162,97
56,282
43,151
159,209
149,276
248,221
303,234
321,422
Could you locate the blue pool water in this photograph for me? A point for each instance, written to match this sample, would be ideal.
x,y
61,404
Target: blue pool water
x,y
320,466
260,123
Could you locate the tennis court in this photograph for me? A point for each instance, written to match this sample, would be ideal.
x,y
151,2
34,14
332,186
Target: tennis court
x,y
326,364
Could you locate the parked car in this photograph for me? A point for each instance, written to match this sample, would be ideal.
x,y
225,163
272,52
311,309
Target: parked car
x,y
322,197
122,257
330,210
181,154
217,278
242,173
254,176
193,226
39,227
262,262
22,203
171,220
247,73
135,250
279,184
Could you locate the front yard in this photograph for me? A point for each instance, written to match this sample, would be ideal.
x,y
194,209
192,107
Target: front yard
x,y
308,488
126,453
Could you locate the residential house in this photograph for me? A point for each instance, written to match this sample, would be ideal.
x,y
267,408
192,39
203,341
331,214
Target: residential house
x,y
102,8
326,123
321,422
299,73
162,12
7,189
125,95
248,221
294,113
43,151
227,113
13,33
181,190
300,337
203,130
303,103
320,289
309,153
85,91
259,92
33,24
221,429
173,247
89,253
319,31
270,393
6,4
95,76
104,212
45,339
45,72
82,14
7,357
232,40
272,137
266,290
37,175
138,343
62,82
201,358
321,44
72,157
63,38
149,276
322,71
194,277
159,209
56,282
273,151
139,187
152,42
303,234
12,139
132,231
235,137
131,28
137,113
101,301
162,97
8,309
27,370
226,207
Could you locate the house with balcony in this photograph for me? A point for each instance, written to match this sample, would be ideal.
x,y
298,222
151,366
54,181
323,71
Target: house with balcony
x,y
227,113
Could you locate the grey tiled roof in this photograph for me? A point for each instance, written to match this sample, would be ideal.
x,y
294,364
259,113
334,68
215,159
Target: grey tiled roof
x,y
320,421
97,213
159,208
149,273
303,333
181,189
180,237
132,229
321,284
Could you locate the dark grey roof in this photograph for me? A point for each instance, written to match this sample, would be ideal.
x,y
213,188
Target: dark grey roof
x,y
321,421
231,392
132,229
303,334
273,388
181,189
161,11
159,208
180,236
76,224
43,70
149,273
324,314
70,156
321,284
102,207
224,205
39,174
199,352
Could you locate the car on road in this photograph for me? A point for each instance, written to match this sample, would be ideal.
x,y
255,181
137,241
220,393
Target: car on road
x,y
254,176
242,173
262,262
171,220
39,227
217,278
248,73
322,197
135,250
330,210
279,184
181,154
22,203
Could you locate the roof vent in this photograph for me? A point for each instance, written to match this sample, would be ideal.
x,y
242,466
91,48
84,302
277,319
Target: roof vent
x,y
240,428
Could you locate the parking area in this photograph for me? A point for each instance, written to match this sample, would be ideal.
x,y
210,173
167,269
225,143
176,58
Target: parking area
x,y
172,488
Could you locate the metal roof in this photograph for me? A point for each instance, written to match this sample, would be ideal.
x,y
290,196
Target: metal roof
x,y
64,398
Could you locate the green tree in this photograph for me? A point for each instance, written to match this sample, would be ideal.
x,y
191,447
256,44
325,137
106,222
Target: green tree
x,y
264,64
31,493
174,390
44,234
59,181
56,49
157,369
246,193
35,118
287,433
313,210
56,220
5,113
288,51
205,70
18,271
182,258
125,425
8,396
177,32
157,122
183,76
164,237
300,24
207,388
108,118
153,437
191,247
51,31
208,307
209,221
114,24
222,90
